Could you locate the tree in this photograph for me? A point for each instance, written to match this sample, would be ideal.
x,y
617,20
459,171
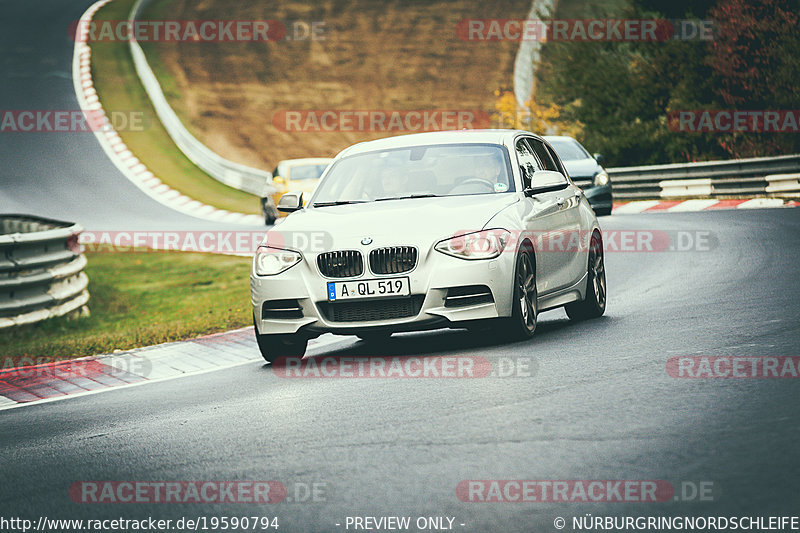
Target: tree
x,y
544,119
623,92
754,57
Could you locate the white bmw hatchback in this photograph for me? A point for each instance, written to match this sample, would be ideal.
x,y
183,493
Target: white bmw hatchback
x,y
424,231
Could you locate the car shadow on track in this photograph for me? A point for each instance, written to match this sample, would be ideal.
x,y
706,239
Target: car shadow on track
x,y
446,341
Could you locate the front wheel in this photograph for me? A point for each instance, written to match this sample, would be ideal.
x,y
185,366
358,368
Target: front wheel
x,y
594,305
274,346
524,312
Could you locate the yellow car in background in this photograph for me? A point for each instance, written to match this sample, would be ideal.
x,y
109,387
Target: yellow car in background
x,y
292,175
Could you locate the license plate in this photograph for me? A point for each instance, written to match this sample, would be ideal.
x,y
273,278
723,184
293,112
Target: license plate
x,y
368,288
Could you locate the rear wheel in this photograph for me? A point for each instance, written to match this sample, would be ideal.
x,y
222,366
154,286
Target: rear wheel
x,y
594,305
274,346
524,312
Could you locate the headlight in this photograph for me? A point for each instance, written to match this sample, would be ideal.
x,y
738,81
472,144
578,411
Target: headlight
x,y
270,261
601,178
485,244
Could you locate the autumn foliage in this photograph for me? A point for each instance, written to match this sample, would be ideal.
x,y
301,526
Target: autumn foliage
x,y
622,93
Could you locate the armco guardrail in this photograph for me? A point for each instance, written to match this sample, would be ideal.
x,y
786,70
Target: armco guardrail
x,y
238,176
41,270
760,176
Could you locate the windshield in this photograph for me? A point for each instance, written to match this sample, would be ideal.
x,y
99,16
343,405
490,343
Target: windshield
x,y
443,170
306,172
569,150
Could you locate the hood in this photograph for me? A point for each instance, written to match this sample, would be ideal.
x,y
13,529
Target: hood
x,y
418,221
582,168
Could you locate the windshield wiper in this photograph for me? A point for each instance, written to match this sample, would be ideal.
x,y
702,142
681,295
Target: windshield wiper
x,y
337,202
407,197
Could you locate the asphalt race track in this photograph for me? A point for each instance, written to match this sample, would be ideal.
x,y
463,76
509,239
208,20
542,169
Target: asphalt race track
x,y
61,175
598,405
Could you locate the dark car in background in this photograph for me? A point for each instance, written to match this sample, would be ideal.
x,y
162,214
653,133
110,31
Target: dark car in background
x,y
586,172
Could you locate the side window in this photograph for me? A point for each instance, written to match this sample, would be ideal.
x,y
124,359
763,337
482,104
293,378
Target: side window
x,y
544,155
527,162
556,159
549,163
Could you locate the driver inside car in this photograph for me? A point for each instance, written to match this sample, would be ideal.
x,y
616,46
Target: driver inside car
x,y
490,169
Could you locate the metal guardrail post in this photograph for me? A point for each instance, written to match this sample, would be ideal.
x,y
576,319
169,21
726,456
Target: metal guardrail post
x,y
41,270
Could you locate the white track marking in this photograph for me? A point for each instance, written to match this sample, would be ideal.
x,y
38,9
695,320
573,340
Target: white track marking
x,y
128,165
693,205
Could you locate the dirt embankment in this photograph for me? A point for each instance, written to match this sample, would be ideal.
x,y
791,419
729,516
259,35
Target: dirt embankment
x,y
375,56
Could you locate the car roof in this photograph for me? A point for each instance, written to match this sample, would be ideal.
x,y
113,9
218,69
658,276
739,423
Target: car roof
x,y
434,137
560,138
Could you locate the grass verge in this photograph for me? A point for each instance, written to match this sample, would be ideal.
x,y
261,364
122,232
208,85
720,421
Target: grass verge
x,y
119,89
140,299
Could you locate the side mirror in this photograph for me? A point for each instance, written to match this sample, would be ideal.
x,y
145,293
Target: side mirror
x,y
546,181
290,202
599,158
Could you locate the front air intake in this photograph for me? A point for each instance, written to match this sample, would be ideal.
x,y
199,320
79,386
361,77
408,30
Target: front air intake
x,y
371,310
468,295
281,309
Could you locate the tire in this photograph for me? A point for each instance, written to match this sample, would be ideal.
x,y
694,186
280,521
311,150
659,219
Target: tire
x,y
524,308
376,336
274,346
594,305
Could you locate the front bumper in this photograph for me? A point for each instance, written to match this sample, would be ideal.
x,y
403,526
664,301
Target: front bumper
x,y
303,287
